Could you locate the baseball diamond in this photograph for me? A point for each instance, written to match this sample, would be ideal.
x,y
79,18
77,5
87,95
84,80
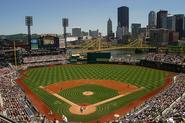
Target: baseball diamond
x,y
90,92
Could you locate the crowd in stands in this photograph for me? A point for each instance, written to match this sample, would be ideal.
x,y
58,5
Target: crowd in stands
x,y
128,60
166,58
34,61
12,99
168,106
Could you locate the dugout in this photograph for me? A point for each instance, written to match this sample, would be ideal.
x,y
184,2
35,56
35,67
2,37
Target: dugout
x,y
98,57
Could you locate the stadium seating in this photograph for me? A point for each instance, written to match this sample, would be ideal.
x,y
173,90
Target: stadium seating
x,y
167,106
34,61
166,58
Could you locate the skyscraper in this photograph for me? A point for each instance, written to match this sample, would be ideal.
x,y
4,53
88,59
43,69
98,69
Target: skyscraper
x,y
123,24
123,17
184,28
179,24
135,30
152,19
162,19
184,23
171,23
109,27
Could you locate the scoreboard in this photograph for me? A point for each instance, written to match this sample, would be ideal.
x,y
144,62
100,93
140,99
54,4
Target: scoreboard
x,y
49,42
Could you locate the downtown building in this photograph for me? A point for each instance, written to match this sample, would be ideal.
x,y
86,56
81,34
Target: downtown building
x,y
162,19
152,20
159,37
76,32
171,23
173,35
170,29
175,24
123,25
110,33
94,33
136,27
179,25
184,27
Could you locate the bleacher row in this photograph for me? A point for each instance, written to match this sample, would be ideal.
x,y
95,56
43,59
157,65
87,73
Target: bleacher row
x,y
130,60
166,58
13,102
34,61
168,106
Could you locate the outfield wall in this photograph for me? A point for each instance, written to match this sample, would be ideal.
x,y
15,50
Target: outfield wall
x,y
163,66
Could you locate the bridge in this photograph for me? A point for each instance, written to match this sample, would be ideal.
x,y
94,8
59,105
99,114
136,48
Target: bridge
x,y
98,45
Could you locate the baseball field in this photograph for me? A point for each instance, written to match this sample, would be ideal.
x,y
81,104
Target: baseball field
x,y
91,91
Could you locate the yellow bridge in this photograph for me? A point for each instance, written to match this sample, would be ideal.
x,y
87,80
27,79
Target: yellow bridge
x,y
97,45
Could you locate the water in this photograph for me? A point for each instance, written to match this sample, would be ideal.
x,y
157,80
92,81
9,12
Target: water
x,y
126,54
120,53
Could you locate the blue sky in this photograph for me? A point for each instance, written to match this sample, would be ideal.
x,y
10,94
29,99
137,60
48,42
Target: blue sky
x,y
87,14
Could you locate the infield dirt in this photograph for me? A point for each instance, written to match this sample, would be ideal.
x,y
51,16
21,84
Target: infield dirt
x,y
43,108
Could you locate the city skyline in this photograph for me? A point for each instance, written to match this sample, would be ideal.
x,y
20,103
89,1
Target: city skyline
x,y
86,14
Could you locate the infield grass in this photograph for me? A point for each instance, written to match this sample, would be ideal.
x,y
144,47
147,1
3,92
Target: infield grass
x,y
100,93
138,76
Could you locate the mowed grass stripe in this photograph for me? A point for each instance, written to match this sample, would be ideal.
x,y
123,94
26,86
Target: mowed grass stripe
x,y
139,76
75,94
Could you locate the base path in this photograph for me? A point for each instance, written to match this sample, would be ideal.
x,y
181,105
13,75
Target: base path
x,y
37,102
120,86
42,107
75,109
116,97
125,109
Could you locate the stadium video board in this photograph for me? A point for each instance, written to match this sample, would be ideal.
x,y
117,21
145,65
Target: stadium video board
x,y
48,40
34,44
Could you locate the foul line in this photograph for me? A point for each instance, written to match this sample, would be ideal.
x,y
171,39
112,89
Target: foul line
x,y
116,97
58,96
96,104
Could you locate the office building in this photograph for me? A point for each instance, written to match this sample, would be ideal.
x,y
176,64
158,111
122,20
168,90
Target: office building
x,y
184,28
162,19
109,27
84,33
179,24
76,32
94,33
123,16
152,20
171,23
135,30
173,37
119,32
123,24
159,37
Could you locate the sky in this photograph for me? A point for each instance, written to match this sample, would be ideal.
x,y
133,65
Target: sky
x,y
87,14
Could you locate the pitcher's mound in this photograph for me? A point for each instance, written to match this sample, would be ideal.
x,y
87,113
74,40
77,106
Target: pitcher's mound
x,y
88,93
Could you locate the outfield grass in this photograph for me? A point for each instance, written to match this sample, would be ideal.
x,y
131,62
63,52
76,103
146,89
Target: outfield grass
x,y
138,76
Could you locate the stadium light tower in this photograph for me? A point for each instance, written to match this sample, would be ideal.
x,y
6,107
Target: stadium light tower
x,y
65,24
29,23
